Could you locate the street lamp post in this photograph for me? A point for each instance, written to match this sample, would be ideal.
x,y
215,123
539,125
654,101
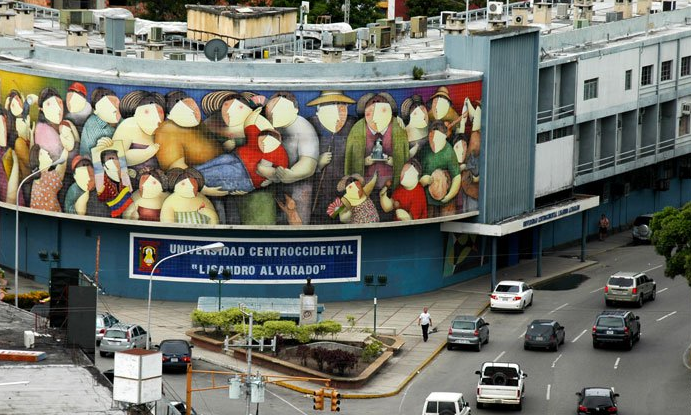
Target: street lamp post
x,y
16,226
380,282
220,279
216,246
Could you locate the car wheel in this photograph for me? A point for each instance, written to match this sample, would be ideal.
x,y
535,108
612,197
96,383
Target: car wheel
x,y
103,354
479,405
487,339
519,407
449,346
629,344
639,304
525,346
479,346
531,300
522,307
609,303
596,344
556,346
653,294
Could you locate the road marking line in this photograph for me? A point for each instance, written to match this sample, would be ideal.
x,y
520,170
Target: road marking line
x,y
555,362
616,364
579,336
559,308
522,335
290,404
667,315
599,289
653,268
499,357
405,393
664,289
549,388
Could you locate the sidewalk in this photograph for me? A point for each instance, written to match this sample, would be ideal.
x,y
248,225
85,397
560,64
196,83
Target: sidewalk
x,y
171,319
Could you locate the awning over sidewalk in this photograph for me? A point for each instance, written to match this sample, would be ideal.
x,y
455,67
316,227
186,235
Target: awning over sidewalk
x,y
577,204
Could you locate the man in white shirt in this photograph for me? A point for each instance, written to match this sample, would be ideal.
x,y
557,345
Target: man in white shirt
x,y
425,320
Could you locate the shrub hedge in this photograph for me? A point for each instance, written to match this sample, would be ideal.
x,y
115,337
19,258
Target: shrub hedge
x,y
27,300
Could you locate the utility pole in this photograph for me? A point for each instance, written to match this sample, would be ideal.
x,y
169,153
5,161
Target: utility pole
x,y
346,11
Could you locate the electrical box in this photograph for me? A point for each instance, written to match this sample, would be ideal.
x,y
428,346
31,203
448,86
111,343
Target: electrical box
x,y
418,26
345,40
137,376
115,34
380,36
155,34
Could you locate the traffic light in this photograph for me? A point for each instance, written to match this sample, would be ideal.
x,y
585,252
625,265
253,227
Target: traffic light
x,y
318,399
335,400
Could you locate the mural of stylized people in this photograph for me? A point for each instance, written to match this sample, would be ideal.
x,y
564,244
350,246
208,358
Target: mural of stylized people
x,y
148,200
250,167
414,115
409,199
182,141
102,123
81,199
51,110
226,113
143,114
9,168
20,127
78,108
441,174
441,108
356,205
187,204
44,190
112,182
332,124
471,174
302,144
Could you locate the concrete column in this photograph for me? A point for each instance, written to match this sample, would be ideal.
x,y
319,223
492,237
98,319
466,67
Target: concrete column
x,y
584,233
539,251
493,280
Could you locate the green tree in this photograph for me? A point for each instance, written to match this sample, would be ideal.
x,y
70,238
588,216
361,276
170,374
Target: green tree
x,y
434,8
169,10
672,239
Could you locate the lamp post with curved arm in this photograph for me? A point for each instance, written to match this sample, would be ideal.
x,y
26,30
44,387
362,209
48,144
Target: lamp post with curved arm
x,y
216,246
16,226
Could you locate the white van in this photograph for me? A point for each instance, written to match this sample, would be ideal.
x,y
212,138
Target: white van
x,y
446,403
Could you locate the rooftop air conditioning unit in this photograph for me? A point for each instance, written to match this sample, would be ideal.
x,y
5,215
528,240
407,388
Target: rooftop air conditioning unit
x,y
495,7
581,23
669,5
686,108
177,56
367,57
444,16
156,34
418,26
562,11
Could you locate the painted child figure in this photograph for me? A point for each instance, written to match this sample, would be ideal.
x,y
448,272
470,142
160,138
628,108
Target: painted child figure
x,y
409,199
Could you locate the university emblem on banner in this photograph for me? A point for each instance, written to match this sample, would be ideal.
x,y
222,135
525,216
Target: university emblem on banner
x,y
148,255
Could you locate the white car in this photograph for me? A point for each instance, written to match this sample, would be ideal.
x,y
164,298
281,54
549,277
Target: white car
x,y
511,295
446,403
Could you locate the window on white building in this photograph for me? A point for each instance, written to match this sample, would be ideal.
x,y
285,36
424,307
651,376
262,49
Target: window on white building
x,y
627,80
590,89
647,75
685,66
666,71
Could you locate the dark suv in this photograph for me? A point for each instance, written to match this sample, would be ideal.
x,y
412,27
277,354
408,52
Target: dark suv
x,y
616,326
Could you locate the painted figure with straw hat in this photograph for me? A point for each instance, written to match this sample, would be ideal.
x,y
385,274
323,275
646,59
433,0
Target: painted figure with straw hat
x,y
333,125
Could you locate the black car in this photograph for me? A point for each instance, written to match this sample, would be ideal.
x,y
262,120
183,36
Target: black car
x,y
544,333
597,400
176,354
618,327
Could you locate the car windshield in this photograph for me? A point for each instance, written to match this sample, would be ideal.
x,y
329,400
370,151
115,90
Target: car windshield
x,y
642,220
115,334
539,329
610,322
174,348
507,288
621,282
596,401
463,325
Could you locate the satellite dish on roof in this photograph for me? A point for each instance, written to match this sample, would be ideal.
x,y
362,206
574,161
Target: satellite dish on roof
x,y
215,50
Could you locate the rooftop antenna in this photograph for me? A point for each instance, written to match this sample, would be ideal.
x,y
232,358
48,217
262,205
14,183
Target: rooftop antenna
x,y
346,11
215,50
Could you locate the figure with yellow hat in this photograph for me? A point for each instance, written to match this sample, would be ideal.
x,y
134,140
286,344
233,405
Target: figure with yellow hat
x,y
333,124
441,108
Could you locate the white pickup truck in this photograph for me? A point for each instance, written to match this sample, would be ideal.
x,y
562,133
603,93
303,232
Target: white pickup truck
x,y
500,383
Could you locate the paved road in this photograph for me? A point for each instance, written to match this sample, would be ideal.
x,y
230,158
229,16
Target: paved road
x,y
650,378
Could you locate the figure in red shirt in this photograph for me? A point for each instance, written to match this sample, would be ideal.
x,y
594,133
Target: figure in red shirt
x,y
409,198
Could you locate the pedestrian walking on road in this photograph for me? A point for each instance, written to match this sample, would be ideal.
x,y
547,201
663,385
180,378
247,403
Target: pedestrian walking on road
x,y
425,320
604,226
